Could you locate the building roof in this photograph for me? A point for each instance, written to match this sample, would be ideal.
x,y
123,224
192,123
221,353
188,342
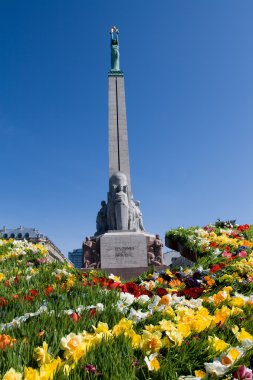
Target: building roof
x,y
20,232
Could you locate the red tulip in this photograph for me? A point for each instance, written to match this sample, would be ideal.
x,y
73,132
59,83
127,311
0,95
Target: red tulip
x,y
75,317
49,290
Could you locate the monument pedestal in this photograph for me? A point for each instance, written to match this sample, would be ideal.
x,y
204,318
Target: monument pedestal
x,y
124,253
124,249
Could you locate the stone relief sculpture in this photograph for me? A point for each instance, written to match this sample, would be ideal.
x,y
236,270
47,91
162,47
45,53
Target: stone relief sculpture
x,y
155,252
91,256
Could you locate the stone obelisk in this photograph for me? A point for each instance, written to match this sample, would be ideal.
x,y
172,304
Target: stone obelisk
x,y
118,136
120,212
120,241
124,246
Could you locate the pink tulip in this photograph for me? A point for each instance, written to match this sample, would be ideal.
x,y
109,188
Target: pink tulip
x,y
243,373
227,254
242,254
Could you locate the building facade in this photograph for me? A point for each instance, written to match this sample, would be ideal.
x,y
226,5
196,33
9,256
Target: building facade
x,y
76,257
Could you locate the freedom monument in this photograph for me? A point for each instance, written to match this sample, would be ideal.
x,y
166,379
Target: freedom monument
x,y
120,241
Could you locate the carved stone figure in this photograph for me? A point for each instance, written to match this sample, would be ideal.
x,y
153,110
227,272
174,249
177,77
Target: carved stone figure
x,y
111,213
155,252
101,221
120,200
131,215
121,212
158,249
138,216
114,49
117,210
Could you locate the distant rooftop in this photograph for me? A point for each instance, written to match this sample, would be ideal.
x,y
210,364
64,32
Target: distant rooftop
x,y
20,233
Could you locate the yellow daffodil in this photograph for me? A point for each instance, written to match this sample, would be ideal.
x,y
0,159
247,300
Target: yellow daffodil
x,y
41,355
123,325
12,375
47,371
218,298
166,325
168,312
245,338
102,327
151,342
152,362
166,342
235,353
201,321
216,344
134,337
70,281
236,311
221,315
152,328
184,329
175,336
31,374
66,369
74,347
102,330
184,312
199,373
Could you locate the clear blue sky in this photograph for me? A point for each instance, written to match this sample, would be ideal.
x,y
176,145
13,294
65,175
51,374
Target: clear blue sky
x,y
188,68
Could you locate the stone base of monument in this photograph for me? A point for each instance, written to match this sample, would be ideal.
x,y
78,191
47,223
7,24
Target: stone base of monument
x,y
123,253
129,273
124,249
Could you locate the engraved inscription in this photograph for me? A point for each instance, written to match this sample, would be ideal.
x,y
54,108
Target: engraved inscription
x,y
124,251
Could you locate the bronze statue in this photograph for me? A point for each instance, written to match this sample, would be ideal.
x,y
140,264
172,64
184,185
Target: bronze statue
x,y
114,49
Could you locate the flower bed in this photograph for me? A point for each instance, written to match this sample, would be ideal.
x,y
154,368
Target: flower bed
x,y
59,323
195,242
